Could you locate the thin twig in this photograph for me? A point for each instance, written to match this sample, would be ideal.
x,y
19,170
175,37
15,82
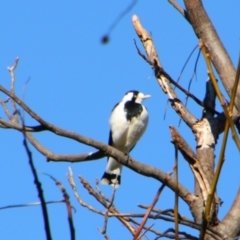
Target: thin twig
x,y
182,11
39,189
151,207
75,191
105,38
112,209
33,204
147,229
185,64
104,230
182,220
190,82
186,235
176,192
100,192
12,73
68,205
164,234
6,110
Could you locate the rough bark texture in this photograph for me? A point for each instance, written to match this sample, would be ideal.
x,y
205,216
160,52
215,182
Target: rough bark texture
x,y
205,30
206,138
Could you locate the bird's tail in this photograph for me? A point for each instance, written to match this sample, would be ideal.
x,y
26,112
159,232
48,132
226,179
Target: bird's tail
x,y
111,179
112,174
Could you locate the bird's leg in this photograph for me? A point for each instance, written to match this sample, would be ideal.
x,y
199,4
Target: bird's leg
x,y
128,156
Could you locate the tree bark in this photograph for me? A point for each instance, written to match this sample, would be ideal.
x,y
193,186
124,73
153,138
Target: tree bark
x,y
205,30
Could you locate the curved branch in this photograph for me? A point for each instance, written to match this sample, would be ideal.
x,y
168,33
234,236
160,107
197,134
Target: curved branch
x,y
46,152
17,126
63,157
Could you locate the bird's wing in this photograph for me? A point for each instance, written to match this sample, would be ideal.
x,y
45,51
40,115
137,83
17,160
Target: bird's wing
x,y
110,140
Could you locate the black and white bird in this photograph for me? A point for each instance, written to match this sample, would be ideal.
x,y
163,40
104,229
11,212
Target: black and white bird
x,y
128,121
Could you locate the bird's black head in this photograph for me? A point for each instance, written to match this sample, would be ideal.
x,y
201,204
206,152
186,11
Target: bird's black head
x,y
134,96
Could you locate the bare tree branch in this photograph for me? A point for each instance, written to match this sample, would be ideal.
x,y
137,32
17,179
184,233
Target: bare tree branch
x,y
3,103
175,83
68,204
206,140
90,156
40,191
182,220
205,30
12,73
112,209
151,52
110,204
32,204
77,195
196,168
150,208
231,222
185,235
179,8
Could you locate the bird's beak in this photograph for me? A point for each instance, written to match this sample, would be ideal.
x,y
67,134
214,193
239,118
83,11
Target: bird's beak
x,y
146,96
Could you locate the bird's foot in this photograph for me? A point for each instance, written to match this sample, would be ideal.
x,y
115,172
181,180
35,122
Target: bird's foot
x,y
128,156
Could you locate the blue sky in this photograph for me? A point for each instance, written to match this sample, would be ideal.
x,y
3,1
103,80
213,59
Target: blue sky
x,y
74,83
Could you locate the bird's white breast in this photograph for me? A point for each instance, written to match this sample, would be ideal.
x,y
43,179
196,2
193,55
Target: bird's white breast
x,y
136,128
126,133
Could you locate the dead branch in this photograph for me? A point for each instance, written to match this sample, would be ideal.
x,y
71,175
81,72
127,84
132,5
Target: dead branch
x,y
205,30
182,220
12,73
104,230
151,52
77,195
68,205
184,234
4,105
179,9
191,158
39,189
32,204
196,168
150,208
176,84
112,209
